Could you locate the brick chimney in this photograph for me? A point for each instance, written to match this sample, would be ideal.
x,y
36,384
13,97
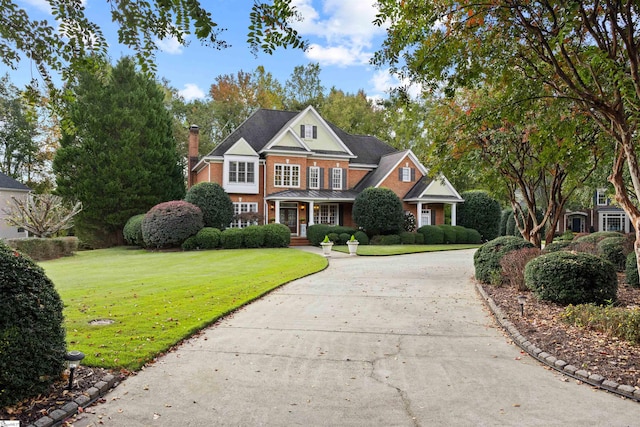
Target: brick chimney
x,y
192,160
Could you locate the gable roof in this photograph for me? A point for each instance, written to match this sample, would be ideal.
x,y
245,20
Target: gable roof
x,y
8,183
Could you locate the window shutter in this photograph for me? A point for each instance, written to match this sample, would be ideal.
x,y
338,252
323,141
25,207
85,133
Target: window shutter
x,y
301,131
413,174
330,178
400,174
344,178
315,132
321,178
433,217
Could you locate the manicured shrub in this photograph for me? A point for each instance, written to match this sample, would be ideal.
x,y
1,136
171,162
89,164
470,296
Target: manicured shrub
x,y
316,232
191,244
376,240
32,338
473,236
215,203
513,263
433,235
631,270
408,238
208,238
419,238
450,235
231,238
277,236
556,246
378,211
487,258
572,278
617,322
480,212
253,236
361,237
40,249
132,231
342,238
391,239
612,249
567,236
462,234
596,237
169,224
334,237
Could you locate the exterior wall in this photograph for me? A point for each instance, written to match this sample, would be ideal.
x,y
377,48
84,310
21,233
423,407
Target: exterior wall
x,y
355,176
8,231
394,183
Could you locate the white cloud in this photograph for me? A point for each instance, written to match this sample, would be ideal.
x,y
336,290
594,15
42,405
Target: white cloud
x,y
191,91
43,5
341,56
170,45
383,82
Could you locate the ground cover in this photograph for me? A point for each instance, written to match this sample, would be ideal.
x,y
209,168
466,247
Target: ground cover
x,y
156,299
382,250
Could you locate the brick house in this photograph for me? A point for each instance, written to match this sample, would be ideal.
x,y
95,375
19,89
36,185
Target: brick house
x,y
9,188
604,216
297,169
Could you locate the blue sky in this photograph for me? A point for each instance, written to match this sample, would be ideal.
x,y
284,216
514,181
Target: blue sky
x,y
341,33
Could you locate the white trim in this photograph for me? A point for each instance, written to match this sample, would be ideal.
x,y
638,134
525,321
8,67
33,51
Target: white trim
x,y
285,166
316,169
407,153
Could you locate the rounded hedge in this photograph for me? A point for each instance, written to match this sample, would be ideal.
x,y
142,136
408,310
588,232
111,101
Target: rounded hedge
x,y
253,236
450,234
473,236
208,238
560,245
612,249
596,237
487,258
132,231
572,278
408,238
231,238
361,237
191,244
343,237
631,270
419,238
169,224
480,212
215,203
378,211
276,236
432,234
391,239
31,323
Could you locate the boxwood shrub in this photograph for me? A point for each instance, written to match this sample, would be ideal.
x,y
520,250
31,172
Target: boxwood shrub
x,y
31,324
408,238
231,238
277,236
316,232
462,234
613,250
191,244
596,237
132,231
343,237
40,249
419,238
391,239
486,260
450,235
361,237
473,236
253,236
557,246
169,224
432,234
631,270
208,238
572,278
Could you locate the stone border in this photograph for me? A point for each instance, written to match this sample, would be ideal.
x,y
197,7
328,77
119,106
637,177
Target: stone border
x,y
521,341
57,416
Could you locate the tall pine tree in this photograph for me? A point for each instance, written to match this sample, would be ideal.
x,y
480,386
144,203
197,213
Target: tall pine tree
x,y
118,156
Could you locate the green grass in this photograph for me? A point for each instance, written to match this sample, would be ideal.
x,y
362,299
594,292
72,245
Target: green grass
x,y
381,250
158,299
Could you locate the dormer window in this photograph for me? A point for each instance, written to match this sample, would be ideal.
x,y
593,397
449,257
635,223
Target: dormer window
x,y
601,197
308,132
407,174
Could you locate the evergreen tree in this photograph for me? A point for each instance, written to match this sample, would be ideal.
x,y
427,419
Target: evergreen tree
x,y
117,156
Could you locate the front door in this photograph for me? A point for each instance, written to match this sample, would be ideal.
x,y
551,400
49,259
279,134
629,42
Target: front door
x,y
576,225
289,217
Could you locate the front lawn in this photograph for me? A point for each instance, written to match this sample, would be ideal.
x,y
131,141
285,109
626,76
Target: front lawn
x,y
156,299
380,250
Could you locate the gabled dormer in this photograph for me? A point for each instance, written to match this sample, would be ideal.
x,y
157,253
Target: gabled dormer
x,y
240,170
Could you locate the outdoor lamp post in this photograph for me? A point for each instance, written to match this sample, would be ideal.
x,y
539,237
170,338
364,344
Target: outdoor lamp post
x,y
521,300
73,359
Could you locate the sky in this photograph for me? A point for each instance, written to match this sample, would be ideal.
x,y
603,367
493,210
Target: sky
x,y
341,34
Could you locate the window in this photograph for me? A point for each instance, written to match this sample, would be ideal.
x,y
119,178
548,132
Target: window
x,y
406,174
601,196
314,177
241,172
613,222
326,214
336,178
287,176
308,132
245,214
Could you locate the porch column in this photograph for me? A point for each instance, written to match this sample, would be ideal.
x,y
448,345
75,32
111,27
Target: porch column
x,y
419,214
453,214
310,213
277,211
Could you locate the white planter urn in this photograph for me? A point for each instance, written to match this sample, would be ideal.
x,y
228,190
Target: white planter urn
x,y
326,248
353,247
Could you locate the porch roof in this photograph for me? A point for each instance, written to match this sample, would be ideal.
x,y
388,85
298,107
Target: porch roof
x,y
315,195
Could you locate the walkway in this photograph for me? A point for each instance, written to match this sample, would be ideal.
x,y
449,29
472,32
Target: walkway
x,y
391,341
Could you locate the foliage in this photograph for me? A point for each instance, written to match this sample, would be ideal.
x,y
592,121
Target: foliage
x,y
450,235
619,322
361,237
433,235
462,234
132,231
420,238
41,214
354,113
343,238
504,218
117,155
487,258
333,237
408,238
557,246
473,236
409,223
43,249
388,239
513,264
169,224
572,278
253,236
378,211
231,238
613,250
631,270
276,236
215,203
303,88
596,237
567,236
31,324
480,212
191,244
208,238
317,232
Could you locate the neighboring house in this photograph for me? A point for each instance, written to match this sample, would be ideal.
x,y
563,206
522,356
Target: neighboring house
x,y
603,217
9,187
297,169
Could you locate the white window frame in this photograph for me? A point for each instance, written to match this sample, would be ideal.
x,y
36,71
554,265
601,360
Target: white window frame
x,y
406,174
240,208
288,175
336,179
326,213
608,218
314,177
425,215
238,176
601,197
308,131
232,180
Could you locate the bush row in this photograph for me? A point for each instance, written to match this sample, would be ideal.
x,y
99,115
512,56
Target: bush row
x,y
618,322
449,234
255,236
43,249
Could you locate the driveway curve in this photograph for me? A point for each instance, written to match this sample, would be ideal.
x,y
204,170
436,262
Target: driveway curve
x,y
370,341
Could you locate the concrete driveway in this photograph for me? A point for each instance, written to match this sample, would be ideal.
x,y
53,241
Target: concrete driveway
x,y
370,341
